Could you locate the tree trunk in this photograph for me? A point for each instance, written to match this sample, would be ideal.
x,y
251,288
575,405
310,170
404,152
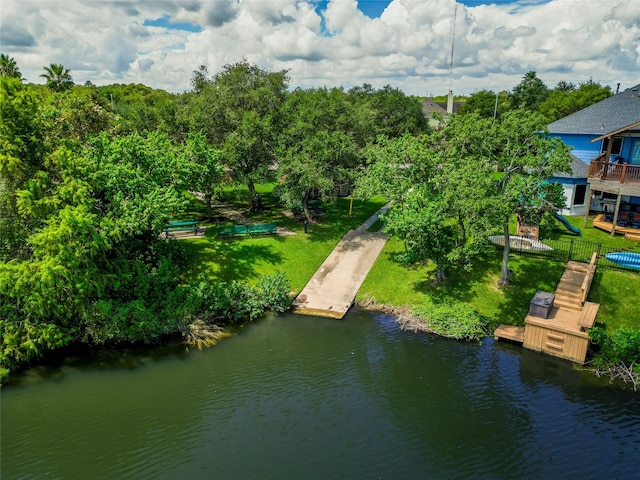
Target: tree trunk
x,y
440,276
305,207
463,239
207,201
505,278
256,199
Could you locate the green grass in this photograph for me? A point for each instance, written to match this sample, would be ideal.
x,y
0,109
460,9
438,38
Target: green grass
x,y
248,258
392,283
589,234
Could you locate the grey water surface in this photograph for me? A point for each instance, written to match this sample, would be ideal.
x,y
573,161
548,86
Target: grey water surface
x,y
295,397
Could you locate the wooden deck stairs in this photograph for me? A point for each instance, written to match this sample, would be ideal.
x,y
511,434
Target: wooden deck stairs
x,y
564,332
574,285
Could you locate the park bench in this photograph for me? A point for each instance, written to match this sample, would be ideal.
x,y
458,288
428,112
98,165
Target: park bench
x,y
186,226
238,230
262,228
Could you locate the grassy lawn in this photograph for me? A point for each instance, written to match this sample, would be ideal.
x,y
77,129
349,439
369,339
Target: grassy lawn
x,y
248,258
590,234
392,283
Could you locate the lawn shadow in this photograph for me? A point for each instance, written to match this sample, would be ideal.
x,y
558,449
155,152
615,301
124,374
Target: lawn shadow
x,y
232,258
480,286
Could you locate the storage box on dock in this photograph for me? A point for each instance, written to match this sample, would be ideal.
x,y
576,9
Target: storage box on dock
x,y
541,304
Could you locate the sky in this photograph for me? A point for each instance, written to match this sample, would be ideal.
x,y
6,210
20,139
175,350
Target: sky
x,y
334,43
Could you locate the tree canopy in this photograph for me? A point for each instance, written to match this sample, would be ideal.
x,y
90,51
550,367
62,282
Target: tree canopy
x,y
239,112
57,77
9,67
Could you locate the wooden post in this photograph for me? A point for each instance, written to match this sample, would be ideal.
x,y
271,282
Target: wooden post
x,y
587,207
615,215
351,205
607,157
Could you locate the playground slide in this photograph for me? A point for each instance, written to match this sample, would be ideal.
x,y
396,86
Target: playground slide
x,y
568,226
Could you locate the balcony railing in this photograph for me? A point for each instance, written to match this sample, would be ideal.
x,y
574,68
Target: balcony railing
x,y
614,172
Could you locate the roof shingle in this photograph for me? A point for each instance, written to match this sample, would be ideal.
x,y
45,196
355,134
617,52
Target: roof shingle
x,y
606,116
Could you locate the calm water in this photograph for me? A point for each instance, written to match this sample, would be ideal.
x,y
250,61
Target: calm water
x,y
301,397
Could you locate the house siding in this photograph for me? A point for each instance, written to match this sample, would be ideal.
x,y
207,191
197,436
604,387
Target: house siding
x,y
581,145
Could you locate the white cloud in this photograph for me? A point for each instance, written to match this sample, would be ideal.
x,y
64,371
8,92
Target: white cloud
x,y
409,46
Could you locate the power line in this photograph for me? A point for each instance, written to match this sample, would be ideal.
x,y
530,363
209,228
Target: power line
x,y
453,42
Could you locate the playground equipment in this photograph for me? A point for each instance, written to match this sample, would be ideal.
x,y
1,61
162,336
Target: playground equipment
x,y
574,230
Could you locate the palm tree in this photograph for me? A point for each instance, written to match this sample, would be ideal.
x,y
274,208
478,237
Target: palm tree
x,y
58,78
8,67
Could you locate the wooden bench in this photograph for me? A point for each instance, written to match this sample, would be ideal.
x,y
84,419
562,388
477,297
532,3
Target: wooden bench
x,y
182,226
239,230
589,313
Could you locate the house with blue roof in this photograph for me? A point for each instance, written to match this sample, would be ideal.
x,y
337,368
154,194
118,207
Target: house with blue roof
x,y
605,141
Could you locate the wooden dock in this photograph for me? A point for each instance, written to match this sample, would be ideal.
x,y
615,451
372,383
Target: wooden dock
x,y
564,333
510,332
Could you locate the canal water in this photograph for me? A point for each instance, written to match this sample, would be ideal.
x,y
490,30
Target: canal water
x,y
295,397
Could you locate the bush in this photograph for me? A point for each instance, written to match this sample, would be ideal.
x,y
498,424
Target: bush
x,y
224,302
621,347
273,291
453,320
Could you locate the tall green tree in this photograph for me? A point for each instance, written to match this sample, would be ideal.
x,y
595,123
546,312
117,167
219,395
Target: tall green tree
x,y
94,268
318,147
200,78
140,109
439,185
391,112
57,77
9,67
420,222
22,153
406,171
566,99
486,104
524,157
204,168
529,93
239,112
463,178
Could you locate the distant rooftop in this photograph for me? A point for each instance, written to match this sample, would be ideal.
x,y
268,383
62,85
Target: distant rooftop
x,y
606,116
429,107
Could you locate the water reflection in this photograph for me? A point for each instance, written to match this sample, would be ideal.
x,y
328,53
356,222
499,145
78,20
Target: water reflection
x,y
294,396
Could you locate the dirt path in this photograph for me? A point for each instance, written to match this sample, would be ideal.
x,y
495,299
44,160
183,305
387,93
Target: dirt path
x,y
226,211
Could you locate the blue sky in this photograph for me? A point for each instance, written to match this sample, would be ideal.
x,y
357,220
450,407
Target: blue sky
x,y
341,43
374,8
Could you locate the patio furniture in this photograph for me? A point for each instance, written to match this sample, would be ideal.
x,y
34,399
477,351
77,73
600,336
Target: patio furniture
x,y
623,219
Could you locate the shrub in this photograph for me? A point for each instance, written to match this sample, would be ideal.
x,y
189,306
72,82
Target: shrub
x,y
621,347
453,320
273,291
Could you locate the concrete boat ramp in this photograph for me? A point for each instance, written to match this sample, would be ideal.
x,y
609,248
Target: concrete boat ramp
x,y
332,289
